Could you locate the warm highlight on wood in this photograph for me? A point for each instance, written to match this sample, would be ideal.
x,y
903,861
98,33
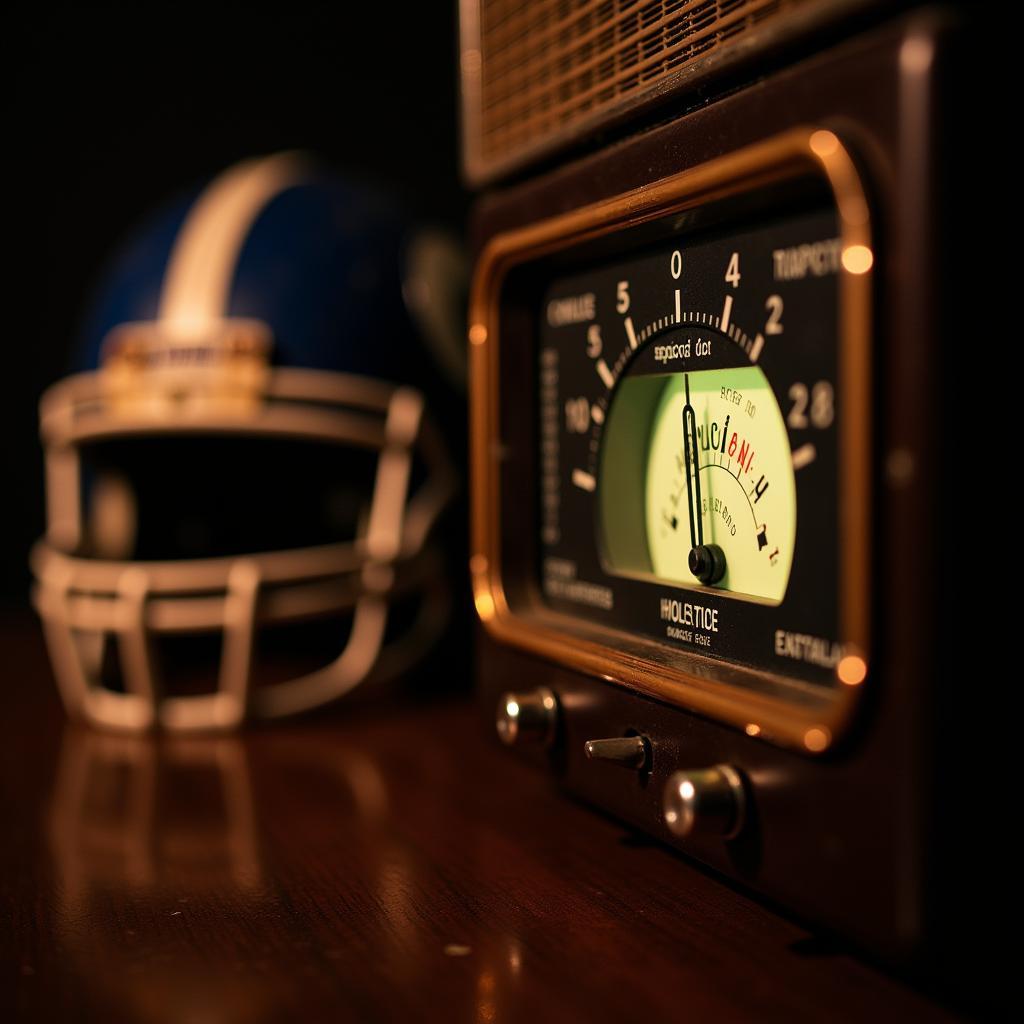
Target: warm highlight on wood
x,y
379,864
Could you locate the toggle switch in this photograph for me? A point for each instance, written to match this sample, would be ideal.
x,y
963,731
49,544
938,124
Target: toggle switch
x,y
625,751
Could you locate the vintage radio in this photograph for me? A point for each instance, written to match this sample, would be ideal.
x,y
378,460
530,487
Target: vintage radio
x,y
708,330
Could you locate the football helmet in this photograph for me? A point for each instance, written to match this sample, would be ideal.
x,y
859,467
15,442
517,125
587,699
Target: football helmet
x,y
247,444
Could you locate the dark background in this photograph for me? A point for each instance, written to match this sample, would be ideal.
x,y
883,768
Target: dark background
x,y
111,110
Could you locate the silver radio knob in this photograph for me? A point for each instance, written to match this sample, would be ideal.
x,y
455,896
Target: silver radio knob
x,y
530,716
709,801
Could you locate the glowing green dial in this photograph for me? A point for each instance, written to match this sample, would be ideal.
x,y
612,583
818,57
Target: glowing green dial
x,y
747,494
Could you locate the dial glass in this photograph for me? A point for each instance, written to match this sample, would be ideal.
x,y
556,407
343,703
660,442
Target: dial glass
x,y
688,424
722,486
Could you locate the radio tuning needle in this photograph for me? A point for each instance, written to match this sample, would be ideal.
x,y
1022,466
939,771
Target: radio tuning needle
x,y
706,561
689,460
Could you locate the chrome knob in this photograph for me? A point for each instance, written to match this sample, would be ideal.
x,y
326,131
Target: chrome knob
x,y
709,801
527,717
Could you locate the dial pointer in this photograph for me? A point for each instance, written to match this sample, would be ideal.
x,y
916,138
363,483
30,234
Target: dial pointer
x,y
706,561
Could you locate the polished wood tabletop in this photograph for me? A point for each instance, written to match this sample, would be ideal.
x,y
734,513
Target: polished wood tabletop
x,y
381,863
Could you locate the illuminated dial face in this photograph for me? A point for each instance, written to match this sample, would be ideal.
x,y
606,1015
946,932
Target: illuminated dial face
x,y
689,415
742,498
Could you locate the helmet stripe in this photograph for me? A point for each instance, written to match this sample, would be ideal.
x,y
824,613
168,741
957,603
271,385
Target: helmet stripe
x,y
202,263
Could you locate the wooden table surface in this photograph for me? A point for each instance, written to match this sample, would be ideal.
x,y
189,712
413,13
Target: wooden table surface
x,y
381,864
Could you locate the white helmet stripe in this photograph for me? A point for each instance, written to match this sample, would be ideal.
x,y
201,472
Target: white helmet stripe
x,y
202,263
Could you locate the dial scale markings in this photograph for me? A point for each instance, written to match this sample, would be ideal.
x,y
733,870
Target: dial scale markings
x,y
625,524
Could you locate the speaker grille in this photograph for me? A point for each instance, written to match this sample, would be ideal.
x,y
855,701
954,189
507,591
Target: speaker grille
x,y
538,72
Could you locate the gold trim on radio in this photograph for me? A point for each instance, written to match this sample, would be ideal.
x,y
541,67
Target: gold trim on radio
x,y
812,723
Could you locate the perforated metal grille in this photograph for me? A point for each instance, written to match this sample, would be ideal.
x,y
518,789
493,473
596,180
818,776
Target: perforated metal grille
x,y
538,70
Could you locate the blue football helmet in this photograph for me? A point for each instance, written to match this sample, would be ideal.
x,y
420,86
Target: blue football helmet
x,y
248,444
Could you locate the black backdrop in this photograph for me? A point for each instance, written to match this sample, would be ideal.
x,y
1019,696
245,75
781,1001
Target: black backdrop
x,y
110,110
